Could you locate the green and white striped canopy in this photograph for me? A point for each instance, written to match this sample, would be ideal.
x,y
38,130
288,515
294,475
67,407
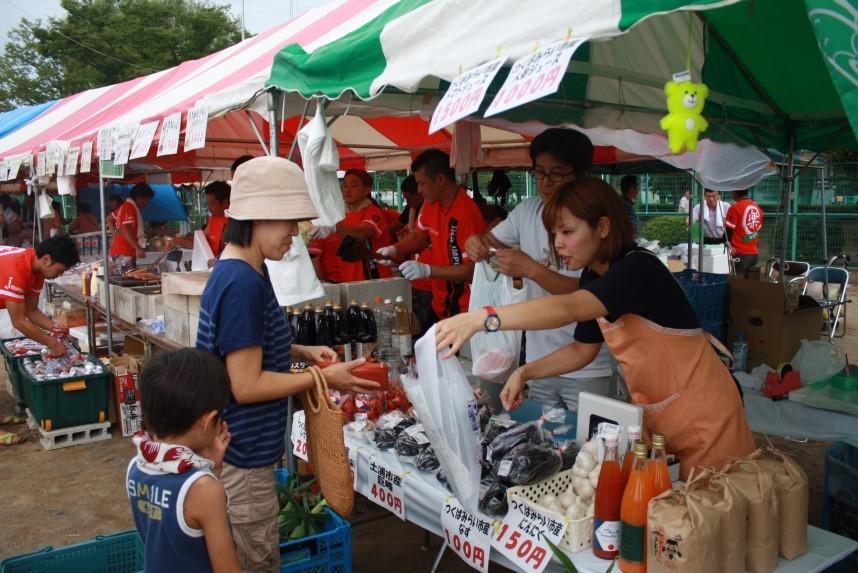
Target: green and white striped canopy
x,y
774,67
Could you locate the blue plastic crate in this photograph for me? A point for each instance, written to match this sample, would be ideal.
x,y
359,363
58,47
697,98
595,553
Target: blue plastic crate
x,y
327,552
707,293
115,553
840,507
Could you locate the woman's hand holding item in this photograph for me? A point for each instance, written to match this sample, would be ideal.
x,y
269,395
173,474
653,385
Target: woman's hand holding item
x,y
315,354
339,377
512,394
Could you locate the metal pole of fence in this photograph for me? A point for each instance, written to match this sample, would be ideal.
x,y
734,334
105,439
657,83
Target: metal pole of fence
x,y
106,259
794,204
690,218
824,240
787,198
700,198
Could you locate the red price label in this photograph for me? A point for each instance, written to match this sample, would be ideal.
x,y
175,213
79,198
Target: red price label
x,y
473,555
384,487
299,436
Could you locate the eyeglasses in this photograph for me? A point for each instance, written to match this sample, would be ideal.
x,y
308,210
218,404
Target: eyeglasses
x,y
553,176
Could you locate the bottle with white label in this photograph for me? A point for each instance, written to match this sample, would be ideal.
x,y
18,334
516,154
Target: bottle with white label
x,y
609,497
402,330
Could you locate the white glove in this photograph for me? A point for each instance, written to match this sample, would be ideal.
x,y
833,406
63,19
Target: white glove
x,y
386,252
413,270
322,232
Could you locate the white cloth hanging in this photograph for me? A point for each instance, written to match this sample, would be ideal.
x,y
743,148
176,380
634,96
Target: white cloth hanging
x,y
321,162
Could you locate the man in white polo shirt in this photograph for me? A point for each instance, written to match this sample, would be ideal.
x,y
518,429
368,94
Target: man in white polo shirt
x,y
558,156
714,214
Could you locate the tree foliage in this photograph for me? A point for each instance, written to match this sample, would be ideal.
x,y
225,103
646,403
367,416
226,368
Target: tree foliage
x,y
103,42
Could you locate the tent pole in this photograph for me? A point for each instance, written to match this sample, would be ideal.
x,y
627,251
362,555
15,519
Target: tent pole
x,y
105,253
690,220
273,123
788,198
700,198
824,238
300,125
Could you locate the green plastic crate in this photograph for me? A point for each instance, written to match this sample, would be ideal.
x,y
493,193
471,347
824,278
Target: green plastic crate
x,y
116,553
67,402
13,370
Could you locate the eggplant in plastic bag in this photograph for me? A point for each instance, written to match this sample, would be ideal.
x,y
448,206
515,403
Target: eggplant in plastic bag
x,y
530,433
427,461
389,427
527,463
410,442
493,500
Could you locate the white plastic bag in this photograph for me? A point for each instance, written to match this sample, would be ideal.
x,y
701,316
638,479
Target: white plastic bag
x,y
293,278
446,406
494,354
818,360
321,162
6,328
202,252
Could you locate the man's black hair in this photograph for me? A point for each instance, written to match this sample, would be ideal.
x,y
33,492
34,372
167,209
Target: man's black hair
x,y
567,146
628,183
239,161
141,191
83,209
239,233
435,162
220,189
61,248
741,192
178,387
116,198
408,185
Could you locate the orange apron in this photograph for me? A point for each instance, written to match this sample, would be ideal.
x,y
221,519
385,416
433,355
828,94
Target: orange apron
x,y
685,391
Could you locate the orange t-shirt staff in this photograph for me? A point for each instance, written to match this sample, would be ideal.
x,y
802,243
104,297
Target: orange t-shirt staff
x,y
217,202
364,226
128,238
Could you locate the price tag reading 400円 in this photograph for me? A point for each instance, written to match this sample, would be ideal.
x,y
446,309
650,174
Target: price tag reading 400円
x,y
299,435
466,533
521,535
384,487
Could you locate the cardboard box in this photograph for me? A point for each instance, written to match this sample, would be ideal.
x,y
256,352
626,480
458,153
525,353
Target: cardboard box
x,y
127,396
773,325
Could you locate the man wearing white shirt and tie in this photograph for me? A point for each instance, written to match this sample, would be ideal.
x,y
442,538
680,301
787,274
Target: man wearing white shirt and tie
x,y
714,214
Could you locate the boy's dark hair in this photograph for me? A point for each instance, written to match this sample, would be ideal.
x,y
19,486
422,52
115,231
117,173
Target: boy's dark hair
x,y
567,146
435,162
116,199
178,387
141,191
83,209
239,233
628,183
492,212
239,161
741,192
220,189
61,248
408,185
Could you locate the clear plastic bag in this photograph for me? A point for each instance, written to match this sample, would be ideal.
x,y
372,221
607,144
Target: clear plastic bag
x,y
494,354
446,407
818,360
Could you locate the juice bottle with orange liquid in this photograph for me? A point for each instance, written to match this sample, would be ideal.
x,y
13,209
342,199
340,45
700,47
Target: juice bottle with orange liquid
x,y
634,436
633,514
658,465
609,496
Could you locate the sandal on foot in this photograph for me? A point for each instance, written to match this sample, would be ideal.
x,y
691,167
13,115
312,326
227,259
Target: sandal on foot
x,y
10,439
8,420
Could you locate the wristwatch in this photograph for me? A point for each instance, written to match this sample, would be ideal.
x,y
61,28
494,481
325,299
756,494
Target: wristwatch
x,y
492,323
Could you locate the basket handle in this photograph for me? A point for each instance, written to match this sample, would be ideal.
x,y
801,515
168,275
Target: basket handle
x,y
318,393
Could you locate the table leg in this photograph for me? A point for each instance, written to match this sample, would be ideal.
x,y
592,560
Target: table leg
x,y
439,557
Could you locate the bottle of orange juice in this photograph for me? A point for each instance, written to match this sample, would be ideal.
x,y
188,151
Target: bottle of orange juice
x,y
634,436
609,496
658,465
633,514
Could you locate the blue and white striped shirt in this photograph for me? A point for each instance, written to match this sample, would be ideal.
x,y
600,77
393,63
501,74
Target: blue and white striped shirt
x,y
239,310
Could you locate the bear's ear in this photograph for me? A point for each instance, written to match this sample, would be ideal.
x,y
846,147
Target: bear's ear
x,y
670,88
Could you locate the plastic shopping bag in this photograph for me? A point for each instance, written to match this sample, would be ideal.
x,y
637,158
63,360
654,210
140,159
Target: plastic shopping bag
x,y
494,354
818,360
202,252
321,161
294,278
448,410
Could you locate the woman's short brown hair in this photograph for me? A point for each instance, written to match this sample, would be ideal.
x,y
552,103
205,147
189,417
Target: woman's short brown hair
x,y
590,199
364,177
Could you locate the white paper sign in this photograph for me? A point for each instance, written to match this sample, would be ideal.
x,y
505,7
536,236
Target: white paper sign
x,y
123,144
42,163
534,76
384,487
464,95
56,158
198,121
104,147
143,140
520,537
299,435
86,157
466,533
168,143
12,167
353,457
71,161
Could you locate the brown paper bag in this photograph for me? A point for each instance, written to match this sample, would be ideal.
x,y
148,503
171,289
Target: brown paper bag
x,y
682,535
758,489
792,493
716,492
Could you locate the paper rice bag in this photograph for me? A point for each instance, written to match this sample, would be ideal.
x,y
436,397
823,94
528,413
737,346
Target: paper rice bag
x,y
716,492
682,535
757,487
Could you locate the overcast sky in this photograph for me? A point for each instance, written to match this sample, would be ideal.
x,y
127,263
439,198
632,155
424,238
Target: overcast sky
x,y
259,15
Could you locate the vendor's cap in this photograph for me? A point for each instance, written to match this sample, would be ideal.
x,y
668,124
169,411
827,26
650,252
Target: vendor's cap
x,y
270,188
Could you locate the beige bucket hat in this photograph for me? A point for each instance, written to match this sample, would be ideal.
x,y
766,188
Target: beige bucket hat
x,y
270,188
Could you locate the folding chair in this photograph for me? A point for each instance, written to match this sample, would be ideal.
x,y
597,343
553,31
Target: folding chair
x,y
794,271
828,286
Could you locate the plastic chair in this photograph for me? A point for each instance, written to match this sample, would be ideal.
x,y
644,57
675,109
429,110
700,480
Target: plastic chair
x,y
795,271
833,298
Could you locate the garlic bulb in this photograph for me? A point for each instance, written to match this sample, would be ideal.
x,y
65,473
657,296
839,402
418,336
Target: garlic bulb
x,y
547,499
567,499
586,491
580,472
575,511
591,447
556,508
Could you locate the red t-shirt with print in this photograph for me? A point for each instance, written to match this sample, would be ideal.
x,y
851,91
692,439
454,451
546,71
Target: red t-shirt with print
x,y
17,278
745,218
126,216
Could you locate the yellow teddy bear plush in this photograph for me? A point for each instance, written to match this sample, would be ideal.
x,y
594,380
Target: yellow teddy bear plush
x,y
683,122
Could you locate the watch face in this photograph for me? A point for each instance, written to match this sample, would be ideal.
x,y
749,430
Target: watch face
x,y
492,323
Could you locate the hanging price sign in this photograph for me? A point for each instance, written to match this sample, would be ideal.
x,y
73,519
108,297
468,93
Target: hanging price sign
x,y
521,536
143,140
86,157
71,161
168,143
299,435
384,487
42,163
464,95
195,133
466,533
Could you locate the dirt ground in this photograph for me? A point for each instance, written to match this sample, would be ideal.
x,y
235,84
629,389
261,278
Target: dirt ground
x,y
71,495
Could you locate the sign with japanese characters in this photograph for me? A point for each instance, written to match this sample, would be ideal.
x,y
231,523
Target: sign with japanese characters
x,y
521,536
168,143
143,140
299,435
466,533
384,487
464,95
71,161
42,163
122,147
534,76
109,170
86,157
195,133
104,147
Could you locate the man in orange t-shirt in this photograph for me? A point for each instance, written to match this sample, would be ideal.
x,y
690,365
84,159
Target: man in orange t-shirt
x,y
128,237
217,201
448,217
743,222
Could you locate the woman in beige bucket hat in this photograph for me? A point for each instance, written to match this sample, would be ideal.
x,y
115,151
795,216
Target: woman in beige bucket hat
x,y
241,322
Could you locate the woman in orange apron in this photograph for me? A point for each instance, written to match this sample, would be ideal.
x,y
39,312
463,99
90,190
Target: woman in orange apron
x,y
630,300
